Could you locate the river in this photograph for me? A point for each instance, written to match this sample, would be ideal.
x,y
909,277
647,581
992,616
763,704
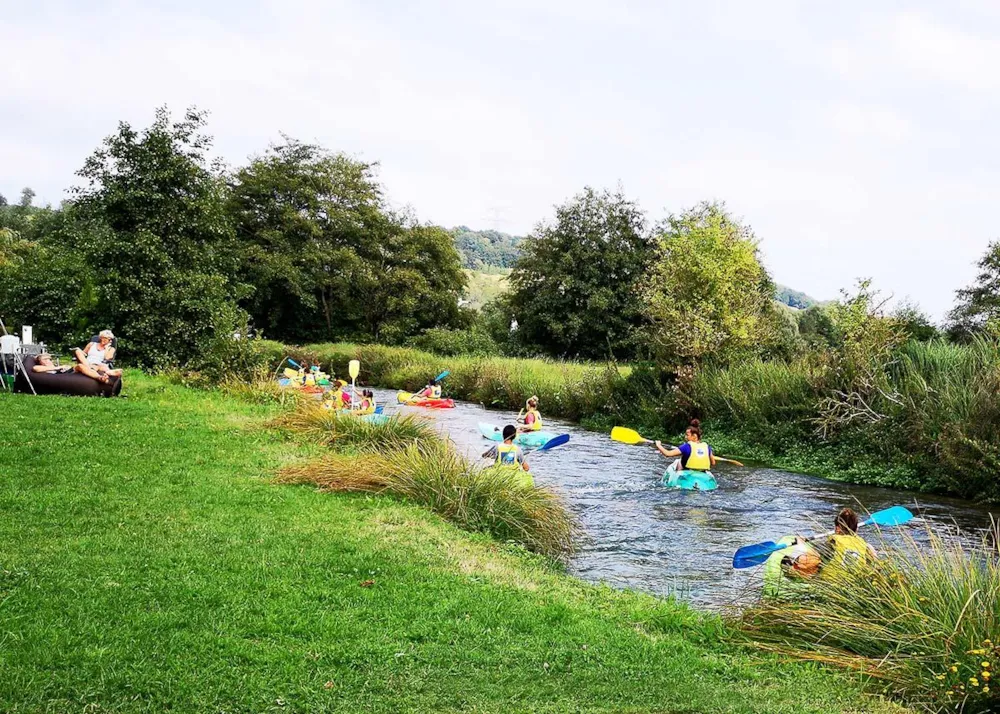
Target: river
x,y
643,536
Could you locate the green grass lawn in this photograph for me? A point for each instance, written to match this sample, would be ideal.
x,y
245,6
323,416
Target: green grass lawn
x,y
147,563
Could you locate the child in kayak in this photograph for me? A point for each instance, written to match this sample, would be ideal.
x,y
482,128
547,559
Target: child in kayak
x,y
695,454
533,418
508,454
431,391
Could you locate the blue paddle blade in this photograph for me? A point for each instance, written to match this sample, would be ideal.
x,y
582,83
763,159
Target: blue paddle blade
x,y
442,375
553,443
379,409
294,363
895,516
751,555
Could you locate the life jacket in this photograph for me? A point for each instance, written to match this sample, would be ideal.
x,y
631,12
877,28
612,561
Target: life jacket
x,y
699,460
435,392
507,455
536,423
850,555
338,398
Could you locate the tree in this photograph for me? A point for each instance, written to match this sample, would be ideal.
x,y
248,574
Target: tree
x,y
486,249
574,288
979,303
914,322
27,197
159,239
708,294
328,260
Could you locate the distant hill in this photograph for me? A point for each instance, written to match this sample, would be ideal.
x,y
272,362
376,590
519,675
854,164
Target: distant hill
x,y
482,250
793,298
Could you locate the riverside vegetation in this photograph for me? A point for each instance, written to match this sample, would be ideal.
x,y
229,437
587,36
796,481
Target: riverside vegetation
x,y
153,563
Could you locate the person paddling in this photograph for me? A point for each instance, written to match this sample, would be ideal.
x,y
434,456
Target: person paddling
x,y
695,454
431,391
509,455
533,418
845,552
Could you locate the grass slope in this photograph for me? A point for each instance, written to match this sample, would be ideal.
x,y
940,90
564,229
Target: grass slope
x,y
147,562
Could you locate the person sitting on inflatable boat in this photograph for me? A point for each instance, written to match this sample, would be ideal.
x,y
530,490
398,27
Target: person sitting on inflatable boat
x,y
695,454
533,418
509,455
367,400
44,363
96,355
845,552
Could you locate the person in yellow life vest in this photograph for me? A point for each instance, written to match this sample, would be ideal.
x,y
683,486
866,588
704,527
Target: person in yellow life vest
x,y
367,400
431,391
533,418
695,454
509,455
845,552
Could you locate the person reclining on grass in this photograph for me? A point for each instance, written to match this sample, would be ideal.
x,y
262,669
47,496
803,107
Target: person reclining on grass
x,y
96,355
44,363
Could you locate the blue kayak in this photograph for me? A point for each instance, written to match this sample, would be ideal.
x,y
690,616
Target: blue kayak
x,y
690,480
529,440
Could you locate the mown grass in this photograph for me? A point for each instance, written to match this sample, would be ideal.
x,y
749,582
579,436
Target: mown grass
x,y
925,622
148,563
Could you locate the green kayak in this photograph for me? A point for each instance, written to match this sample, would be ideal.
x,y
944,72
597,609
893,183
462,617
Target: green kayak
x,y
529,440
687,480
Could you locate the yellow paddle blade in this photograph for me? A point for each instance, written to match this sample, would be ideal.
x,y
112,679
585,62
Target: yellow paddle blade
x,y
626,436
403,397
354,369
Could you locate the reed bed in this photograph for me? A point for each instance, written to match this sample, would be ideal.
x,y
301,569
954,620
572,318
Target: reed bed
x,y
433,474
924,624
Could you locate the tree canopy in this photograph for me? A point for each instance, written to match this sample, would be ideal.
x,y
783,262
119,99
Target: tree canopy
x,y
574,289
978,304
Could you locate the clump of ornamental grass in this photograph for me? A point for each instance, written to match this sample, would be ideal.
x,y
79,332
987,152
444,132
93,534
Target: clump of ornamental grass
x,y
349,431
260,387
432,473
925,623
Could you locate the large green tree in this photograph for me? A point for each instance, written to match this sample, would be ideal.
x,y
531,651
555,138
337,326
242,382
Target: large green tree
x,y
328,259
158,239
979,303
574,288
708,294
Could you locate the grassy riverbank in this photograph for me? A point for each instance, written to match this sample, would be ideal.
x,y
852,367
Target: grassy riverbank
x,y
927,419
149,562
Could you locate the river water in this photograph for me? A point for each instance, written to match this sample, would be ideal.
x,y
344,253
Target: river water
x,y
643,536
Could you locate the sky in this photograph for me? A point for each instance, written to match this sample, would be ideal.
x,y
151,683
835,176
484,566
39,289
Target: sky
x,y
857,139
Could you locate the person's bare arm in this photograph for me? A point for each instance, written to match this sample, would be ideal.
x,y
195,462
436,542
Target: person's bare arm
x,y
669,453
109,354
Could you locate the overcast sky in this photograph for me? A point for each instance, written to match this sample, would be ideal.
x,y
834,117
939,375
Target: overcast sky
x,y
857,141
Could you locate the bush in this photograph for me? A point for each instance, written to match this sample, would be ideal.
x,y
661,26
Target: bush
x,y
327,426
442,341
924,623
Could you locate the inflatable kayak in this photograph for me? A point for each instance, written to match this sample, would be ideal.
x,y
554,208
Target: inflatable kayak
x,y
776,583
407,398
689,480
361,412
529,440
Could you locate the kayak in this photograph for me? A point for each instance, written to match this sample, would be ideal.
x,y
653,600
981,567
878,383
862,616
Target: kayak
x,y
407,398
530,439
376,418
689,480
776,583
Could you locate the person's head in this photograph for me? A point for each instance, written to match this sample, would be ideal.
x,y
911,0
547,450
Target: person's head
x,y
433,382
509,432
105,336
847,522
532,402
44,359
693,432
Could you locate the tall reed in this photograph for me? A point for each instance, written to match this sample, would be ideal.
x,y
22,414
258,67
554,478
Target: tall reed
x,y
925,623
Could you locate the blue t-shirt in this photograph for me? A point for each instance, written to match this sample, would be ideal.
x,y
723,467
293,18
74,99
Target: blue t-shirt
x,y
685,449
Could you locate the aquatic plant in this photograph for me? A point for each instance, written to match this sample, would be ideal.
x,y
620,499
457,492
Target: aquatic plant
x,y
434,474
924,623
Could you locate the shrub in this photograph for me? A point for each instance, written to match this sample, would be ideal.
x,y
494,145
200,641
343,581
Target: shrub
x,y
329,427
924,623
442,341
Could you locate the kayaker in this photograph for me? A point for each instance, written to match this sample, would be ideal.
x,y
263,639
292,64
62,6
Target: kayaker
x,y
532,418
695,454
431,391
844,552
508,453
367,400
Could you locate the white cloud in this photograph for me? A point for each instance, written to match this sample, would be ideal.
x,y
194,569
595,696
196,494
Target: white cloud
x,y
929,48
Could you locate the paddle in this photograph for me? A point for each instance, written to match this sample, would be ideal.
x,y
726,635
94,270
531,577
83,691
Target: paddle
x,y
551,443
354,369
632,437
750,555
442,376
